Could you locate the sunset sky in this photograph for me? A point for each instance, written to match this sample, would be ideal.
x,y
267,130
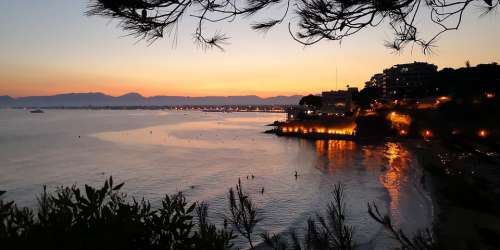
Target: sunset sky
x,y
50,47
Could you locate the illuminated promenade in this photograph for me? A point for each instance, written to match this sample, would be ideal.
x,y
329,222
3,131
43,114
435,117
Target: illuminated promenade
x,y
344,128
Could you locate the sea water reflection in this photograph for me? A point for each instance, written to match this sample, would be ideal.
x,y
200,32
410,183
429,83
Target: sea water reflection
x,y
391,159
396,175
202,155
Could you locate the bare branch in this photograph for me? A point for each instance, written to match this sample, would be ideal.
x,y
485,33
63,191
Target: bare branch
x,y
317,19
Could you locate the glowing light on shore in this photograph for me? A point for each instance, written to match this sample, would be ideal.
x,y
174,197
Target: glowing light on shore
x,y
427,134
399,119
400,122
489,95
318,130
482,133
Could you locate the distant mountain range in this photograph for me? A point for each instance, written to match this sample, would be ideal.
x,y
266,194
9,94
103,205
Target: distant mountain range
x,y
135,99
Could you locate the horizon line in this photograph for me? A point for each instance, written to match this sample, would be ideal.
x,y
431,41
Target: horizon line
x,y
159,95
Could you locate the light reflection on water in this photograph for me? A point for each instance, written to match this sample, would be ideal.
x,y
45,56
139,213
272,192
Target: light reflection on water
x,y
333,154
395,176
202,155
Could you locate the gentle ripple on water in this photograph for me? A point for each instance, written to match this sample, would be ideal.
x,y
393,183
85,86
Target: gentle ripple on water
x,y
204,154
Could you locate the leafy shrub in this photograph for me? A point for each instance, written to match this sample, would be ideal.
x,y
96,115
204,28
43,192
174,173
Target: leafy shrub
x,y
102,219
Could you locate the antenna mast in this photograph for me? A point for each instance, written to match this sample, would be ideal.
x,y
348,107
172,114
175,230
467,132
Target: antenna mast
x,y
336,79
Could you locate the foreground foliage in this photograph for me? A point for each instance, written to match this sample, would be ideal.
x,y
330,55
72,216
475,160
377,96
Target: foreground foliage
x,y
103,218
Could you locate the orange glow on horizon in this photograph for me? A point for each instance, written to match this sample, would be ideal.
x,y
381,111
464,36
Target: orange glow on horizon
x,y
145,92
180,80
85,55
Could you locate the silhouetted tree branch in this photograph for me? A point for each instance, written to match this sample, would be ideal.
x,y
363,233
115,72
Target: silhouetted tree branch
x,y
423,240
243,213
329,231
317,19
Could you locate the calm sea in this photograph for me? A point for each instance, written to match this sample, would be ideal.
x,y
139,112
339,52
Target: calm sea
x,y
203,155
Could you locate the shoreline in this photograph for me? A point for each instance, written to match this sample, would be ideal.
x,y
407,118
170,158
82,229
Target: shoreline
x,y
460,223
457,224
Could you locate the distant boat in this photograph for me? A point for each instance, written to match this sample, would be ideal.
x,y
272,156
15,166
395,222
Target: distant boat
x,y
36,111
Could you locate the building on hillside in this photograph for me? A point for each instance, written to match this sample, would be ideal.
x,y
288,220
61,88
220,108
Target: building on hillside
x,y
295,113
333,104
404,80
338,102
376,81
